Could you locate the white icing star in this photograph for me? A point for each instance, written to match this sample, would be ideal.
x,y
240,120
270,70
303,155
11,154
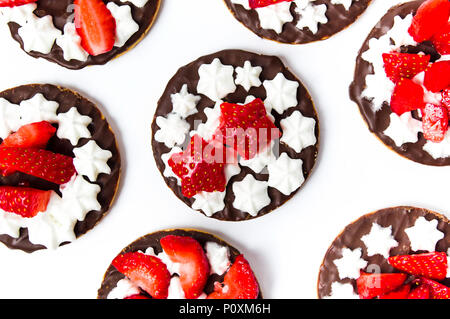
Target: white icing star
x,y
216,80
248,76
184,103
379,240
298,131
125,25
9,118
261,160
403,129
424,235
19,14
243,3
281,93
173,130
207,129
399,32
209,202
124,288
39,34
137,3
274,17
311,16
439,150
218,257
286,174
73,126
346,3
250,195
350,264
342,291
70,43
91,160
37,109
168,172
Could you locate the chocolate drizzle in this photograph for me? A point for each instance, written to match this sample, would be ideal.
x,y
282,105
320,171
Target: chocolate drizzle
x,y
101,133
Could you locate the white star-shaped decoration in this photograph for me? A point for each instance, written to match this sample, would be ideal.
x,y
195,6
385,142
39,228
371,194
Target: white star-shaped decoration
x,y
379,240
346,3
261,160
209,202
9,118
311,16
173,130
424,235
281,93
125,25
248,76
206,130
439,150
251,195
73,126
91,160
286,174
168,172
350,264
19,14
342,291
298,131
70,43
216,80
37,109
244,3
184,103
39,34
399,31
137,3
274,17
403,129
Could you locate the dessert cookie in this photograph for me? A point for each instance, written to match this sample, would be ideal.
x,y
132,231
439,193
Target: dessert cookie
x,y
179,264
78,33
298,21
59,166
402,81
274,112
398,252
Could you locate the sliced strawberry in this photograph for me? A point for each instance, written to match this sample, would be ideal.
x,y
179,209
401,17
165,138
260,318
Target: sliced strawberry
x,y
441,40
95,25
200,167
23,201
194,265
437,290
52,167
137,296
431,17
148,272
446,99
434,122
239,282
404,65
400,293
264,3
421,292
437,76
373,285
31,135
431,265
14,3
247,128
407,96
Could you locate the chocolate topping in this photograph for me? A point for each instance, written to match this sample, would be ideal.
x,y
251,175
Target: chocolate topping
x,y
338,19
101,134
399,218
112,276
271,67
62,12
379,121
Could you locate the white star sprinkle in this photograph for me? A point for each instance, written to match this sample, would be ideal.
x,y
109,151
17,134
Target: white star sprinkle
x,y
216,80
286,174
424,235
274,17
91,160
209,202
19,15
39,34
173,130
311,16
125,25
9,118
70,43
73,126
298,131
350,264
250,195
37,109
168,172
184,103
379,240
248,76
281,93
342,291
403,129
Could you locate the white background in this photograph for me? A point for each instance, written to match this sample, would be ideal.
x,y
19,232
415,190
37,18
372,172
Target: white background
x,y
355,173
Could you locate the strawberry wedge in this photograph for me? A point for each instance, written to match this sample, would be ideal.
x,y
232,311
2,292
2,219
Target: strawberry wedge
x,y
23,201
30,135
431,265
264,3
15,3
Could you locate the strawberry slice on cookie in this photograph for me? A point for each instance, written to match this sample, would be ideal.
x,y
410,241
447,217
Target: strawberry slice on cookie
x,y
23,201
31,135
15,3
430,265
264,3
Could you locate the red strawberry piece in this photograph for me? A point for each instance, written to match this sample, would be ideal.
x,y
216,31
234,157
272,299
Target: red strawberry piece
x,y
404,65
434,122
407,96
137,296
400,293
148,272
446,98
14,3
437,76
431,17
52,167
421,292
437,290
23,201
95,25
30,135
200,167
264,3
373,285
441,41
194,265
431,265
246,128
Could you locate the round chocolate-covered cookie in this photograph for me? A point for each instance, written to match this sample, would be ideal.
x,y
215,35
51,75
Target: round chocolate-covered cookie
x,y
400,124
46,29
194,104
298,21
369,245
214,261
81,137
